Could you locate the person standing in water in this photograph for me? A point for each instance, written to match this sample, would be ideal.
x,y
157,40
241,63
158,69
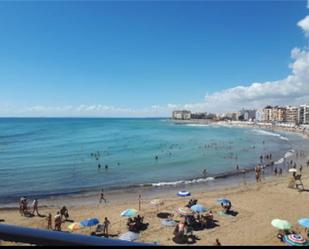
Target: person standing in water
x,y
205,172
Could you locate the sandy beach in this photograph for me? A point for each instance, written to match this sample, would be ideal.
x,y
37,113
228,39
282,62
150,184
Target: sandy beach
x,y
256,204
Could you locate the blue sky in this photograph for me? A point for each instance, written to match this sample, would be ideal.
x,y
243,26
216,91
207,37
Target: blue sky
x,y
130,58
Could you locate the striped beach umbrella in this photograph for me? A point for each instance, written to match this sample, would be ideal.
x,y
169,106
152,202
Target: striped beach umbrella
x,y
198,208
304,222
74,226
131,212
184,211
281,224
295,240
183,193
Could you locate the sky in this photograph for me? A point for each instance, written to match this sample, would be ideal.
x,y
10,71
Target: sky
x,y
148,58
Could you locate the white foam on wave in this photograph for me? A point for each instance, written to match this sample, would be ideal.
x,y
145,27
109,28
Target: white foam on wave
x,y
289,153
197,125
281,160
268,133
159,184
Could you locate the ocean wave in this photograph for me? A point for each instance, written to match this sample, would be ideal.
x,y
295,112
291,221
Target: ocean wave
x,y
281,160
197,125
289,153
160,184
268,133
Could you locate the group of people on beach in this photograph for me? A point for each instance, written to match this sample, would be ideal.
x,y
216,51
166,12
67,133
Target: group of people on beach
x,y
136,224
61,216
24,209
183,231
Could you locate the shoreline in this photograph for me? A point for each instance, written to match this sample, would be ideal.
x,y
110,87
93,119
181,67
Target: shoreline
x,y
219,180
256,203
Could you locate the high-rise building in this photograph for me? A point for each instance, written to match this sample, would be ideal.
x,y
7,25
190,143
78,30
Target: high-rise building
x,y
303,114
292,115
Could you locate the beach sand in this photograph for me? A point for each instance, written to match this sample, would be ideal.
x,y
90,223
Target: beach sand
x,y
257,205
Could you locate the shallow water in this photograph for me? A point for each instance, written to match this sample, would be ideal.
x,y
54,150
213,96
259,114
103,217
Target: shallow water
x,y
53,156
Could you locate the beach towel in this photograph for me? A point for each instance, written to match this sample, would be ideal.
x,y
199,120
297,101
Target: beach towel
x,y
222,213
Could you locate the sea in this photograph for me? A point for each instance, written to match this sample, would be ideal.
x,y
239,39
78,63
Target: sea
x,y
58,156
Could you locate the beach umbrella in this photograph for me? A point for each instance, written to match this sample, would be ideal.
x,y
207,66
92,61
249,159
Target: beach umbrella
x,y
292,170
183,193
131,212
281,224
74,226
295,240
224,202
198,208
129,236
304,222
184,211
169,223
89,222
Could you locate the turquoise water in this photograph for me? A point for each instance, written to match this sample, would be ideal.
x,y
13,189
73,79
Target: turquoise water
x,y
51,156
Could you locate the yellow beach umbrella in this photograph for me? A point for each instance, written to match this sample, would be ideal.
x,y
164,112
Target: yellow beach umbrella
x,y
74,226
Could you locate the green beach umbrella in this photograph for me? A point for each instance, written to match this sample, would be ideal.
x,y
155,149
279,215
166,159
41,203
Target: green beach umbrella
x,y
281,224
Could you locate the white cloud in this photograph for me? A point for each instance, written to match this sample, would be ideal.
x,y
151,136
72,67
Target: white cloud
x,y
294,89
304,24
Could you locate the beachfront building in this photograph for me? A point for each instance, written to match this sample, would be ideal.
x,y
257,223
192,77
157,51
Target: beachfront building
x,y
268,113
183,115
199,115
259,116
247,115
303,114
292,115
279,114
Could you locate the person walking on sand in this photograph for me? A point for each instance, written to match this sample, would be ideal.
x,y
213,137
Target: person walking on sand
x,y
280,172
301,168
102,196
35,206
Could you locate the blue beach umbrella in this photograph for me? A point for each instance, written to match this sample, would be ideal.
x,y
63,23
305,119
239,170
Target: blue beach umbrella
x,y
129,212
224,202
183,193
304,222
198,208
89,222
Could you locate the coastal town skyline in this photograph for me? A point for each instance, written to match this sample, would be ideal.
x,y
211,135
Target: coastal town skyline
x,y
188,63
